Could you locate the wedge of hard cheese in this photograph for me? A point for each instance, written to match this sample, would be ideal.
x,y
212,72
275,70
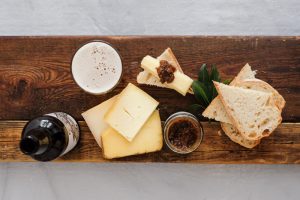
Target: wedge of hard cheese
x,y
94,118
148,139
181,82
253,113
130,111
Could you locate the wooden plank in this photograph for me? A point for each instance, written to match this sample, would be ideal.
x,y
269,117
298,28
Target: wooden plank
x,y
283,146
35,79
35,73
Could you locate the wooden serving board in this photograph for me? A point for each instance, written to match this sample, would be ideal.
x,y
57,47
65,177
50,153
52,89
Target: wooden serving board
x,y
35,79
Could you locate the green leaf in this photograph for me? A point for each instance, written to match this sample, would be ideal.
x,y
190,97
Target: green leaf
x,y
204,89
197,95
214,74
199,91
214,92
203,75
210,92
195,109
227,81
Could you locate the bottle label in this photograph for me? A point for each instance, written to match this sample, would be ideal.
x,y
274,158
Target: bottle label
x,y
71,129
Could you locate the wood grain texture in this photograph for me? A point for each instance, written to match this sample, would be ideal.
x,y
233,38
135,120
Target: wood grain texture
x,y
35,79
35,73
283,146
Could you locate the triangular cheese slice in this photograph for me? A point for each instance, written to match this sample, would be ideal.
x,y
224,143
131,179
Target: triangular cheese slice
x,y
94,118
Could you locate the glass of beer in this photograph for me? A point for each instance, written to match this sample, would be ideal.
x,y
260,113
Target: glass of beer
x,y
96,67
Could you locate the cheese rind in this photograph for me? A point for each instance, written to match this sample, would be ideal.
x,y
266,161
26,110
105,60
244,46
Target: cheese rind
x,y
94,118
181,82
149,139
130,111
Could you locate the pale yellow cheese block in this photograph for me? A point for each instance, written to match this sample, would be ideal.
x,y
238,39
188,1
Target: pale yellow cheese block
x,y
181,82
94,118
149,139
130,111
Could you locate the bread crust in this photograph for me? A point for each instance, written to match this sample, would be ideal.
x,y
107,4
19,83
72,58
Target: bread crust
x,y
244,78
238,126
246,71
236,137
278,99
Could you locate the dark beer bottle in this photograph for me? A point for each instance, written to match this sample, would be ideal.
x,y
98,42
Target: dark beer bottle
x,y
50,136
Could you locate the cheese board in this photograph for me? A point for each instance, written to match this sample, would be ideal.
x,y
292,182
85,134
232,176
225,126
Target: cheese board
x,y
35,78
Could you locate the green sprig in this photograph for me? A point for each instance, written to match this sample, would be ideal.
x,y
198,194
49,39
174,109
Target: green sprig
x,y
204,89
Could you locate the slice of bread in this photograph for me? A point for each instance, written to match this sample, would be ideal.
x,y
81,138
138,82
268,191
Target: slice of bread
x,y
236,137
254,84
259,85
146,78
245,73
258,118
245,79
216,110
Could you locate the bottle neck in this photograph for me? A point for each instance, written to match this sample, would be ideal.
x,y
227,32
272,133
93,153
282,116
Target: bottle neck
x,y
36,142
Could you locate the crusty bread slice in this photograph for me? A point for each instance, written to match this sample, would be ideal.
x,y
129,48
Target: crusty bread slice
x,y
254,84
245,79
258,118
259,85
146,78
245,73
236,137
215,110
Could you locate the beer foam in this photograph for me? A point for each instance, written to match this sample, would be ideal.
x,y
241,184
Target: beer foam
x,y
97,67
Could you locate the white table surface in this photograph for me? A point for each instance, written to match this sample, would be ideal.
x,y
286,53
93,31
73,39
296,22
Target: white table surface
x,y
43,181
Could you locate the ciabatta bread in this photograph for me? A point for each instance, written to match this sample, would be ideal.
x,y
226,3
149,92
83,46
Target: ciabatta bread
x,y
254,84
216,110
253,113
236,137
245,79
259,85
